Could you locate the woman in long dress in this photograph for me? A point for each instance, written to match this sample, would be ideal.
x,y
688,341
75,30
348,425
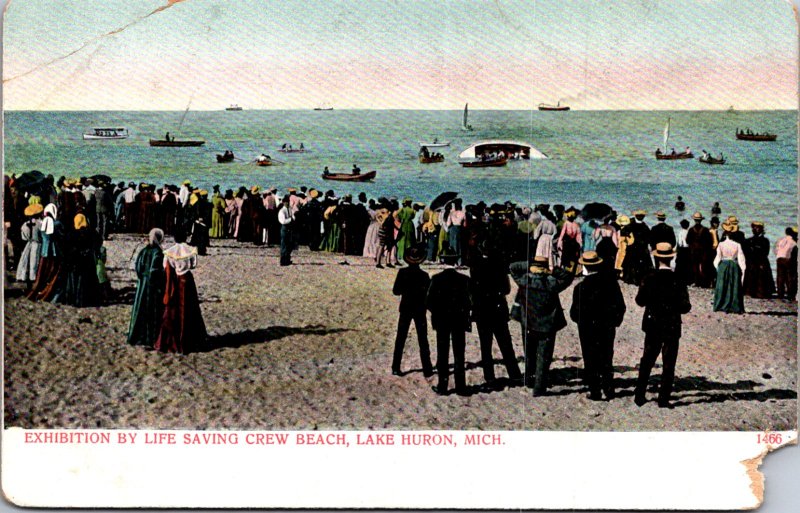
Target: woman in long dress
x,y
543,234
182,327
148,304
81,286
730,264
371,241
49,274
217,215
405,233
232,213
31,235
625,238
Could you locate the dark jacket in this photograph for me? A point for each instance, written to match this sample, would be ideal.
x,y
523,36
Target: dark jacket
x,y
449,301
662,232
489,286
597,302
664,299
538,297
411,284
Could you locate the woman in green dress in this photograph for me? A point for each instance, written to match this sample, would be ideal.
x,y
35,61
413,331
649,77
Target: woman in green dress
x,y
218,207
148,304
407,234
731,266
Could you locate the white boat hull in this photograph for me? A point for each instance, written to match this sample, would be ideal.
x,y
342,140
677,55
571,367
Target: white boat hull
x,y
434,145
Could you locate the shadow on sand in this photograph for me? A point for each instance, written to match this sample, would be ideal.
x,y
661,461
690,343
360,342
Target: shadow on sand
x,y
246,337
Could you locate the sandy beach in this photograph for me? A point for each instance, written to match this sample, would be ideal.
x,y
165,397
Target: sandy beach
x,y
309,347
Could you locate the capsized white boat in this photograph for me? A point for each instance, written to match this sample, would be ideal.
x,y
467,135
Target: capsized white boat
x,y
511,149
106,133
434,144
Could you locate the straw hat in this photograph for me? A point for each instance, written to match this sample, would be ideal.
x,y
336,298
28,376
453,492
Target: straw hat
x,y
254,189
664,250
32,210
291,189
733,220
414,255
313,193
757,223
730,227
203,192
80,221
623,220
697,216
407,201
660,215
639,213
187,182
590,258
539,263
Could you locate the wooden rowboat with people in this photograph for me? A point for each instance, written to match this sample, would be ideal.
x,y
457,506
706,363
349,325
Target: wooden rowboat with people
x,y
748,136
431,159
674,156
225,157
708,159
350,177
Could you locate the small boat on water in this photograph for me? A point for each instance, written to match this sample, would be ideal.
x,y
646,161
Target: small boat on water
x,y
749,136
264,163
497,162
431,159
349,177
287,148
324,106
708,159
434,144
672,155
556,107
102,133
225,157
174,143
233,107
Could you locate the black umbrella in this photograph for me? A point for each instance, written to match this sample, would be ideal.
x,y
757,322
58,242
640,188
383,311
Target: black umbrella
x,y
101,178
595,211
30,181
442,200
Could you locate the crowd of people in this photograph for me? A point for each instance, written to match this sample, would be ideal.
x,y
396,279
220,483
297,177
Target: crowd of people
x,y
54,234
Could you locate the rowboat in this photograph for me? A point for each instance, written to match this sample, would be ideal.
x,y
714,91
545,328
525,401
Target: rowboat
x,y
486,163
349,177
172,143
434,144
292,150
558,106
765,137
708,159
263,162
225,158
431,159
101,133
511,149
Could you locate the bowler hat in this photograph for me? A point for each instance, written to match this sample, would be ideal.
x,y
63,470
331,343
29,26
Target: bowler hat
x,y
590,258
664,250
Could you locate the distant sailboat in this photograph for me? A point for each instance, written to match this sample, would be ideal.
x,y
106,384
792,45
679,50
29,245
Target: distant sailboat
x,y
464,125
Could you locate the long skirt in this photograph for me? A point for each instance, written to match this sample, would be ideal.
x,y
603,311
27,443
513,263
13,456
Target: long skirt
x,y
371,242
182,327
728,292
28,262
49,279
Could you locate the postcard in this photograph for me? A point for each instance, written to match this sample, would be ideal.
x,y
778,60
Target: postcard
x,y
415,255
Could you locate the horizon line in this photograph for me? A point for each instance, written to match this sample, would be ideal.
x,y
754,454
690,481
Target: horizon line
x,y
404,109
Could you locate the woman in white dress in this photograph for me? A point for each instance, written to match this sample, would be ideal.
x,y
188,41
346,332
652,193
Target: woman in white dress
x,y
29,260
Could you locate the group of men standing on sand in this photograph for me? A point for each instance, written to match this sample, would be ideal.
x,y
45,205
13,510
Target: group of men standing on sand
x,y
455,300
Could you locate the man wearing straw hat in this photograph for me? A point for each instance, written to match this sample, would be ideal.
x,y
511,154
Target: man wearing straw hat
x,y
664,299
597,308
541,316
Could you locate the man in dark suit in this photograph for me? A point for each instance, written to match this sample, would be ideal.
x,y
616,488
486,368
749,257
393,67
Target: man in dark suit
x,y
701,246
449,302
489,286
597,308
664,298
411,284
661,232
542,315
